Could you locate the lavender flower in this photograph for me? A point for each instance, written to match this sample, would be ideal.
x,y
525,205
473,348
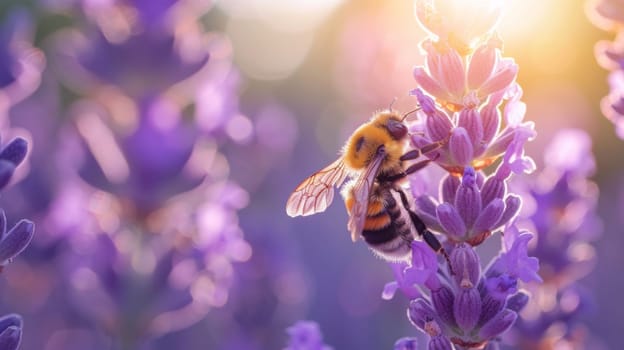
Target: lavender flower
x,y
608,15
19,236
144,166
305,335
11,156
454,84
471,209
406,344
610,55
10,332
16,240
564,216
184,253
120,48
181,265
471,134
467,117
472,307
472,108
20,69
154,247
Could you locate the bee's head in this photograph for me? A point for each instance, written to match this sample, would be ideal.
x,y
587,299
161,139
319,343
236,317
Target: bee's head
x,y
396,128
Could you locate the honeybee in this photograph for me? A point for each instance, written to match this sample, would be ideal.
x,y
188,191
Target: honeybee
x,y
379,210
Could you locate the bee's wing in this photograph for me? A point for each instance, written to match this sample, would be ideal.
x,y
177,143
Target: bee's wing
x,y
316,193
361,191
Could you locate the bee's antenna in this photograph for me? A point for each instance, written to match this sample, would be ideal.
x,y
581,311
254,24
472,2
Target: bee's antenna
x,y
410,112
392,103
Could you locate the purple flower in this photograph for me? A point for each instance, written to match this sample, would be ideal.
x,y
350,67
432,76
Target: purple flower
x,y
406,344
564,207
455,85
609,15
472,209
423,266
146,165
469,99
612,105
471,107
129,65
400,283
566,308
473,136
11,156
563,214
468,308
12,243
514,260
135,46
147,194
305,335
10,331
183,267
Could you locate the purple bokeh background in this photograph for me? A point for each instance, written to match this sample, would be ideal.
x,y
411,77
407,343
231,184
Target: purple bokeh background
x,y
212,148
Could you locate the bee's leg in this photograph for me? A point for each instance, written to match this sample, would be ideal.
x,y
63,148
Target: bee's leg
x,y
415,167
422,230
411,169
415,153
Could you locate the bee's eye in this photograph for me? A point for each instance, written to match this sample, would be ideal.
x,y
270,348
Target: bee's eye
x,y
397,129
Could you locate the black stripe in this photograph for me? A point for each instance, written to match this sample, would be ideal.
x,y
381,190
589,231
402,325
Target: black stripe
x,y
381,236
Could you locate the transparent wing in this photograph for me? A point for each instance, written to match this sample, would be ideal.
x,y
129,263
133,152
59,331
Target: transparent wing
x,y
316,193
361,191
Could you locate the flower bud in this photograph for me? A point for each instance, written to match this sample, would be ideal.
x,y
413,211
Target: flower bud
x,y
449,188
443,300
498,324
461,147
470,119
517,301
451,221
15,151
16,240
490,215
512,207
465,263
467,308
439,343
468,198
493,188
501,79
419,313
406,344
481,66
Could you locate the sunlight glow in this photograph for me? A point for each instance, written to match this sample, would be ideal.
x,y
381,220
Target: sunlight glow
x,y
285,15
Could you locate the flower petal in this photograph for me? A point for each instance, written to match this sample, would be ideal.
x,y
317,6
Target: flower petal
x,y
16,240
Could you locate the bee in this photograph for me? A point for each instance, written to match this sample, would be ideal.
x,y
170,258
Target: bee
x,y
378,207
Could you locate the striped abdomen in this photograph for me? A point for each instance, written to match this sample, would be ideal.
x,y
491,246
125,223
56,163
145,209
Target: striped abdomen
x,y
387,228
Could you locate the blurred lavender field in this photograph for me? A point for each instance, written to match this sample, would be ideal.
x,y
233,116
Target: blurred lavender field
x,y
165,136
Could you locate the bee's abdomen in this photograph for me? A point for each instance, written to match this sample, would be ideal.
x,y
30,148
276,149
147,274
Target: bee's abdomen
x,y
387,232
